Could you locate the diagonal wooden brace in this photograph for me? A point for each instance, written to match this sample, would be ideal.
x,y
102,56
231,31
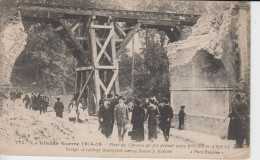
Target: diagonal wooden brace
x,y
111,82
127,39
119,31
74,41
104,47
105,52
85,85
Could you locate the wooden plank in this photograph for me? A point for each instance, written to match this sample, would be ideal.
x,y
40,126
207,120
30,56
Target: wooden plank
x,y
102,85
159,22
78,82
95,26
119,31
96,71
83,79
97,86
72,36
119,40
67,40
105,52
106,67
82,38
75,26
112,81
82,53
117,14
84,68
115,63
58,28
85,85
128,38
103,47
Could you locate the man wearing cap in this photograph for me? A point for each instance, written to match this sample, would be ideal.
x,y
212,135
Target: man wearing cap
x,y
166,114
121,118
59,107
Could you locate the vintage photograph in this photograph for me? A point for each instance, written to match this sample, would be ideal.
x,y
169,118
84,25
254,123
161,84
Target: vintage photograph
x,y
125,78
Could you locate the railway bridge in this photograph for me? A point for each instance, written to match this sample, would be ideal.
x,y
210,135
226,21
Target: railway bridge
x,y
96,39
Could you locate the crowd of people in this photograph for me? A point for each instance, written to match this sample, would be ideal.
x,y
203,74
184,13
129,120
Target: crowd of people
x,y
34,101
78,111
114,111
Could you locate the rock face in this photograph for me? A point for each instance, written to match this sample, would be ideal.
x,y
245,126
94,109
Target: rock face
x,y
204,68
12,43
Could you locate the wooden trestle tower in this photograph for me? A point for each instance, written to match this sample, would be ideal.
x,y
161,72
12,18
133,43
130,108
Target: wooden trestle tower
x,y
96,40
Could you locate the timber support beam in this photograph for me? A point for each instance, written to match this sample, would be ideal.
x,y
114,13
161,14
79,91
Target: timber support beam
x,y
96,40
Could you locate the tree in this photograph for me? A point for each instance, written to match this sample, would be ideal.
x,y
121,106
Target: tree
x,y
48,60
152,70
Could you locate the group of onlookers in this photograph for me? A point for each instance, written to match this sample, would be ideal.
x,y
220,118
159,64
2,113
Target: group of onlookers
x,y
34,101
37,101
113,110
78,112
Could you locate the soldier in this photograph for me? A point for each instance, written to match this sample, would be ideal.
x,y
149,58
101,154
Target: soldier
x,y
59,107
121,118
166,114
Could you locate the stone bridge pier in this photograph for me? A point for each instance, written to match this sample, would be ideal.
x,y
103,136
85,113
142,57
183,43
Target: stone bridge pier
x,y
205,67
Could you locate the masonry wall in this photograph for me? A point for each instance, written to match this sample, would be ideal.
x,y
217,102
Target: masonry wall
x,y
202,86
206,66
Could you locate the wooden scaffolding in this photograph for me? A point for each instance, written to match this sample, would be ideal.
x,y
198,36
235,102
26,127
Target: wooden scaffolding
x,y
96,40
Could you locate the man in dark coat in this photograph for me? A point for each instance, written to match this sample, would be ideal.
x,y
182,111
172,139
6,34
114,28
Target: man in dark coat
x,y
181,117
41,103
113,104
138,117
106,118
38,102
166,114
239,116
59,107
152,114
27,100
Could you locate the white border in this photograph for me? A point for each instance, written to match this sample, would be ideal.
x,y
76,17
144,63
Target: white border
x,y
255,80
255,92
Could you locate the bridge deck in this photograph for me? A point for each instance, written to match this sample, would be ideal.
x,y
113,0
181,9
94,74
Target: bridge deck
x,y
46,9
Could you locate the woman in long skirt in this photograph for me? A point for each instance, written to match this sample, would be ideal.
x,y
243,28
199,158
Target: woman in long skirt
x,y
152,116
138,117
106,118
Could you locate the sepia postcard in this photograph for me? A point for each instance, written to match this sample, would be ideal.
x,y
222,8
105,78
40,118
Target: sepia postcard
x,y
125,78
